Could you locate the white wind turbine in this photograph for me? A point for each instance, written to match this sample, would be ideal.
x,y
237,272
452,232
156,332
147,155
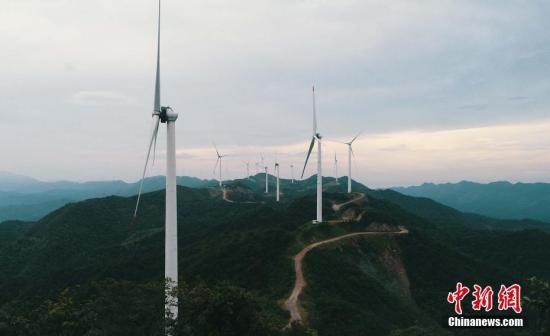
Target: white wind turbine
x,y
292,173
266,175
164,114
316,138
247,163
219,163
266,180
350,153
336,169
277,174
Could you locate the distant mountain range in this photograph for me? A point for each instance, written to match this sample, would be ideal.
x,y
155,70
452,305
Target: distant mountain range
x,y
497,199
88,269
25,198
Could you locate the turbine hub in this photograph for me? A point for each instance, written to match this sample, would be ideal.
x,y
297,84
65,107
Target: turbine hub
x,y
167,114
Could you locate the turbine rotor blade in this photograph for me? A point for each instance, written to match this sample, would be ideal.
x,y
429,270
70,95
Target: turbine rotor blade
x,y
216,166
314,113
308,154
358,134
216,148
156,107
153,139
155,142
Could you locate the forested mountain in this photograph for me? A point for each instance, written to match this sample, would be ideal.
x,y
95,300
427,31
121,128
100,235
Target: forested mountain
x,y
24,198
87,269
497,199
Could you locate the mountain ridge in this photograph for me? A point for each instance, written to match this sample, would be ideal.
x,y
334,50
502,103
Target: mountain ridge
x,y
501,199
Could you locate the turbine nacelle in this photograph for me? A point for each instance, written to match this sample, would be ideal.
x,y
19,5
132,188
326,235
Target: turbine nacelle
x,y
166,114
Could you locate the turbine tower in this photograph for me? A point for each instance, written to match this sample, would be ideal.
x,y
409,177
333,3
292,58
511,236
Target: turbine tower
x,y
277,173
336,169
292,173
247,163
219,161
165,115
266,179
350,153
316,138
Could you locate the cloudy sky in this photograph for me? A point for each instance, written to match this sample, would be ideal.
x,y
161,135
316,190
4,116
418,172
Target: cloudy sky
x,y
443,90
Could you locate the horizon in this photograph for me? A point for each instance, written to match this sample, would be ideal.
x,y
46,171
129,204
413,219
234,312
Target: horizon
x,y
282,178
453,104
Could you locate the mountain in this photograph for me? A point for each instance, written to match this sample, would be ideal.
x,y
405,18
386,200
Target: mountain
x,y
24,198
87,269
497,199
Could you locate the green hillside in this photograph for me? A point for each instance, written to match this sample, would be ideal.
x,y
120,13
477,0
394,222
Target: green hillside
x,y
87,269
497,199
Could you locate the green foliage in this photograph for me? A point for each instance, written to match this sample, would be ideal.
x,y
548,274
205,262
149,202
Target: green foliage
x,y
415,331
538,299
223,310
86,269
497,199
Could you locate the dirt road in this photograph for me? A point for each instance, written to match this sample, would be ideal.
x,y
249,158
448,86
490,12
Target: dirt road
x,y
291,303
337,207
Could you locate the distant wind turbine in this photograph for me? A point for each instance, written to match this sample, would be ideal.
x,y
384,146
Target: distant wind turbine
x,y
292,173
266,175
219,163
266,180
277,173
350,153
247,163
165,114
336,169
316,138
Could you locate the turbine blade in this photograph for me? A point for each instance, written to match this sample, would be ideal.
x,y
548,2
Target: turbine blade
x,y
153,137
308,154
216,148
216,166
314,113
352,152
358,134
156,129
156,107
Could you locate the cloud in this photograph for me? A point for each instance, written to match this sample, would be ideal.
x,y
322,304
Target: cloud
x,y
99,98
240,73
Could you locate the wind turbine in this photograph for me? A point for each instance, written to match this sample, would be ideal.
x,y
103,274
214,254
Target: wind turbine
x,y
316,138
277,174
266,179
292,172
165,115
350,153
266,175
336,169
247,163
219,161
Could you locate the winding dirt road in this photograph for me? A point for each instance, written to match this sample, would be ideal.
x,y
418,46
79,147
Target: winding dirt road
x,y
291,303
337,207
224,196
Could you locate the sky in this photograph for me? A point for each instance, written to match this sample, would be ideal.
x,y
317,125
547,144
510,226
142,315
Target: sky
x,y
443,91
